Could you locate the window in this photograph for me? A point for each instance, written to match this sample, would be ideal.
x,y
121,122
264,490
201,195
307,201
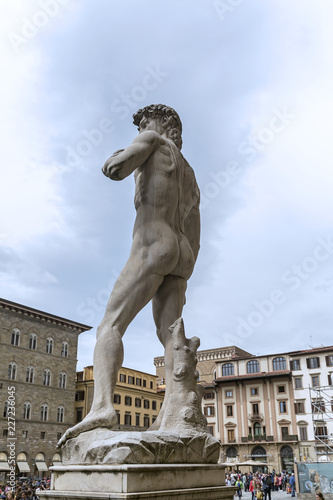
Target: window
x,y
62,380
229,411
321,431
33,341
209,411
144,383
153,418
283,406
298,383
117,399
153,405
279,364
118,417
60,414
318,406
49,345
44,412
295,364
313,363
128,418
79,396
138,402
12,371
25,434
228,394
146,404
122,378
227,369
138,381
151,384
252,366
209,395
128,401
15,340
26,411
130,379
285,432
42,435
257,429
30,375
254,391
47,377
303,433
255,409
329,379
146,421
5,409
137,419
281,388
299,407
329,360
210,429
64,350
231,436
315,380
78,414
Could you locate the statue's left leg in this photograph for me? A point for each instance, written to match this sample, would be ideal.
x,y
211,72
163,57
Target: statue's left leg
x,y
168,304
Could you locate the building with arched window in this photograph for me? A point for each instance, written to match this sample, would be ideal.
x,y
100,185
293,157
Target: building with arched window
x,y
41,350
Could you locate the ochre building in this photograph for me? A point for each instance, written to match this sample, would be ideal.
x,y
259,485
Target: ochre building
x,y
136,399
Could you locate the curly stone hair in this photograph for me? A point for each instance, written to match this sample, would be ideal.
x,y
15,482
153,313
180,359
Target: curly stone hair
x,y
171,122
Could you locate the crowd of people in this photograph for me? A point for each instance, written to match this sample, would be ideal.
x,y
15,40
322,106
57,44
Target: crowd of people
x,y
261,485
25,489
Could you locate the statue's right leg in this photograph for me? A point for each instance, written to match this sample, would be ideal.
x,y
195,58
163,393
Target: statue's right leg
x,y
135,287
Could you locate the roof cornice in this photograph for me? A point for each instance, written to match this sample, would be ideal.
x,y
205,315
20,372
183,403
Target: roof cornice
x,y
42,316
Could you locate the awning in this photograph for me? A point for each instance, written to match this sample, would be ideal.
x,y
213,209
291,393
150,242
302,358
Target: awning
x,y
4,466
41,466
23,466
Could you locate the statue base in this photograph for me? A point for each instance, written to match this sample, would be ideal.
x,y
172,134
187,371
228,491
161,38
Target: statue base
x,y
103,446
138,482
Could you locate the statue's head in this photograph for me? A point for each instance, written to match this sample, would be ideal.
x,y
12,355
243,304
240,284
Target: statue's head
x,y
166,117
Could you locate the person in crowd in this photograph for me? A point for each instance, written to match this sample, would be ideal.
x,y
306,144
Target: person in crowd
x,y
239,486
292,484
267,486
252,487
319,496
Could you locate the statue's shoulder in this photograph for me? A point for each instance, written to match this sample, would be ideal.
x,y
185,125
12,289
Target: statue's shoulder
x,y
149,137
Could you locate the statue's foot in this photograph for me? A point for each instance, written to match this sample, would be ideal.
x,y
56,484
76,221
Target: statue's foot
x,y
102,418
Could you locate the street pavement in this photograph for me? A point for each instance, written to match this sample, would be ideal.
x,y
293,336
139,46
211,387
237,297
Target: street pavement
x,y
275,495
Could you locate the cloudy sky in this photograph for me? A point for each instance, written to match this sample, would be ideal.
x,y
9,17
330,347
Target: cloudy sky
x,y
252,82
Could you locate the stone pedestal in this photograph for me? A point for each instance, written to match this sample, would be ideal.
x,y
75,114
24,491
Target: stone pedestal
x,y
149,481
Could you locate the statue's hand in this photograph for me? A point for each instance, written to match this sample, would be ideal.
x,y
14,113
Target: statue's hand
x,y
106,169
117,152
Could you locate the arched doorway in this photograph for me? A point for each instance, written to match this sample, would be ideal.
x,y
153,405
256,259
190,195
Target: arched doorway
x,y
287,458
259,455
232,453
22,464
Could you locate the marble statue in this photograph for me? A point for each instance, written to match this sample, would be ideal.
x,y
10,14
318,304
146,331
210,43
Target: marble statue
x,y
164,251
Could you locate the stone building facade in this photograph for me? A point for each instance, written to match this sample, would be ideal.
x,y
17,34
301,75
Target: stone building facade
x,y
37,374
274,408
136,399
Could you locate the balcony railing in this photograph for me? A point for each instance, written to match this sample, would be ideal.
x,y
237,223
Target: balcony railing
x,y
290,437
256,438
256,417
